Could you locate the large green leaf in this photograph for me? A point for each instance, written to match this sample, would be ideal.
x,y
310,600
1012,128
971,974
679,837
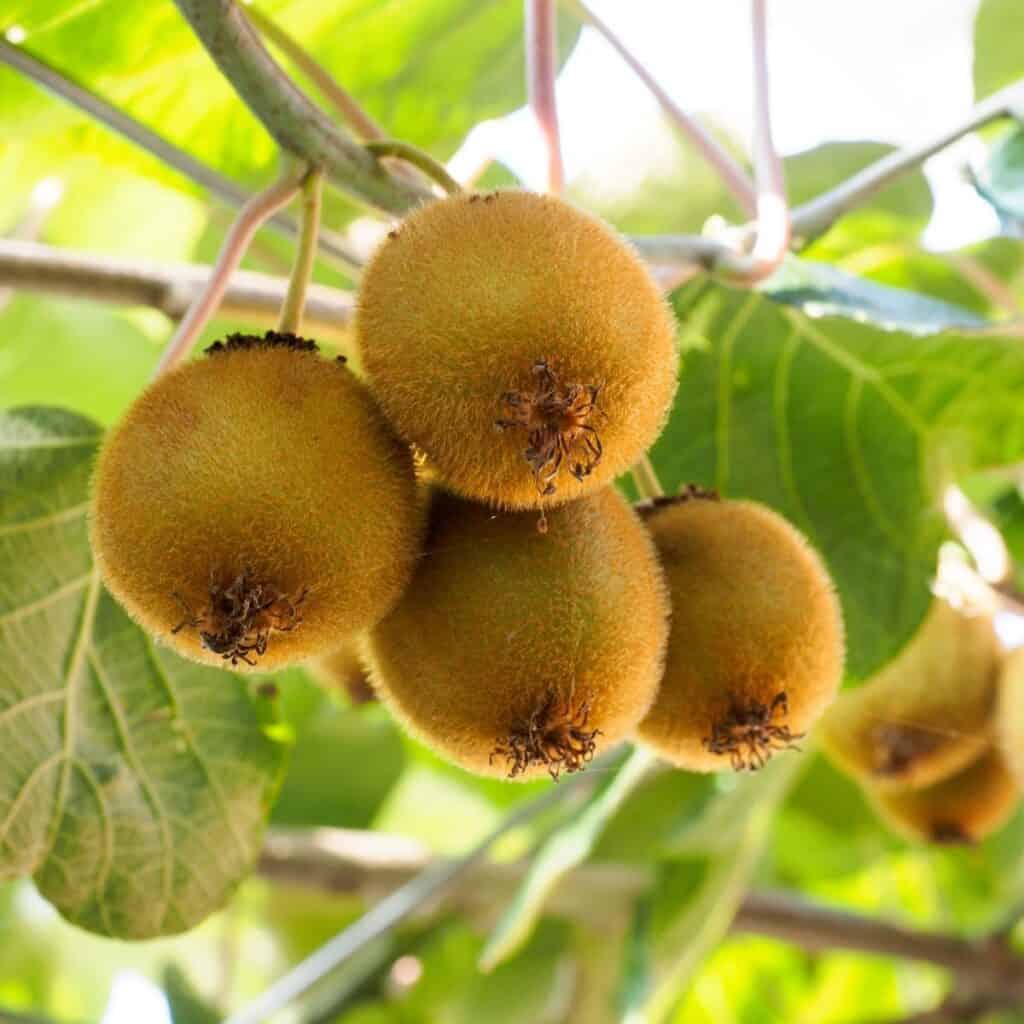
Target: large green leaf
x,y
998,30
428,70
850,430
133,785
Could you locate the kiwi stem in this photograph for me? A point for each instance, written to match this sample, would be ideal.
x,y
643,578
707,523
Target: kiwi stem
x,y
204,306
302,271
646,479
415,156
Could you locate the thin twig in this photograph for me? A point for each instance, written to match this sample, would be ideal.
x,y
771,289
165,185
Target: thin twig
x,y
818,215
296,123
773,228
298,283
418,158
251,297
65,88
252,215
541,32
396,907
646,479
732,174
343,102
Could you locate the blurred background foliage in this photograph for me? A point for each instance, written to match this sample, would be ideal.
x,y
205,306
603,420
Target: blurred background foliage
x,y
432,71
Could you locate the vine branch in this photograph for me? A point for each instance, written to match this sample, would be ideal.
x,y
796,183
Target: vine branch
x,y
291,117
541,30
32,267
372,864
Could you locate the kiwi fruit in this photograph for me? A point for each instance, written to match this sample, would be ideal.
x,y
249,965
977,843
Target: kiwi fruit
x,y
520,343
756,646
926,714
514,654
1010,713
253,508
343,672
964,807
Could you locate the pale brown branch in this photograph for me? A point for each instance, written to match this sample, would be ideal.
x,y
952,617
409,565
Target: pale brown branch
x,y
250,297
375,864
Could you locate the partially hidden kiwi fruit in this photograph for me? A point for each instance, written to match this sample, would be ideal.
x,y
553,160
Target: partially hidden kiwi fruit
x,y
520,343
515,654
343,672
756,646
1010,713
253,507
965,807
928,713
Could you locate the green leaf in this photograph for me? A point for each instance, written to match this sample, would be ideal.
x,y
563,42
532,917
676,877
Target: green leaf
x,y
366,757
186,1005
850,431
427,71
1001,182
568,846
134,785
823,290
694,903
998,29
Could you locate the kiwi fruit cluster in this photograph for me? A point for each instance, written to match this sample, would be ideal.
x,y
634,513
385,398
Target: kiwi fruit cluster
x,y
934,736
446,527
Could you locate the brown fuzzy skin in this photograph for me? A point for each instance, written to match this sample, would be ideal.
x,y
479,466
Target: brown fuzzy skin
x,y
928,713
470,295
757,635
502,625
965,807
267,463
1010,712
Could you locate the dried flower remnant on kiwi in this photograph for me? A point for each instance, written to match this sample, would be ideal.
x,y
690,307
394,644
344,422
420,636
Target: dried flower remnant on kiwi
x,y
239,619
750,734
270,339
896,747
555,734
556,417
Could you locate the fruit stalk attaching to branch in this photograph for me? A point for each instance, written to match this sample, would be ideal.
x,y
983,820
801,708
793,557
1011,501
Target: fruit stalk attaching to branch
x,y
295,303
417,157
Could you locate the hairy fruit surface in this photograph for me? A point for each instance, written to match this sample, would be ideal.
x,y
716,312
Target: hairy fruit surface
x,y
928,713
965,807
756,646
520,343
1010,713
517,654
253,508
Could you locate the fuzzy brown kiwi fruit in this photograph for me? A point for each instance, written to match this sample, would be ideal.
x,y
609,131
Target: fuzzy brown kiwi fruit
x,y
1010,712
928,713
964,807
515,654
253,507
756,645
520,343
